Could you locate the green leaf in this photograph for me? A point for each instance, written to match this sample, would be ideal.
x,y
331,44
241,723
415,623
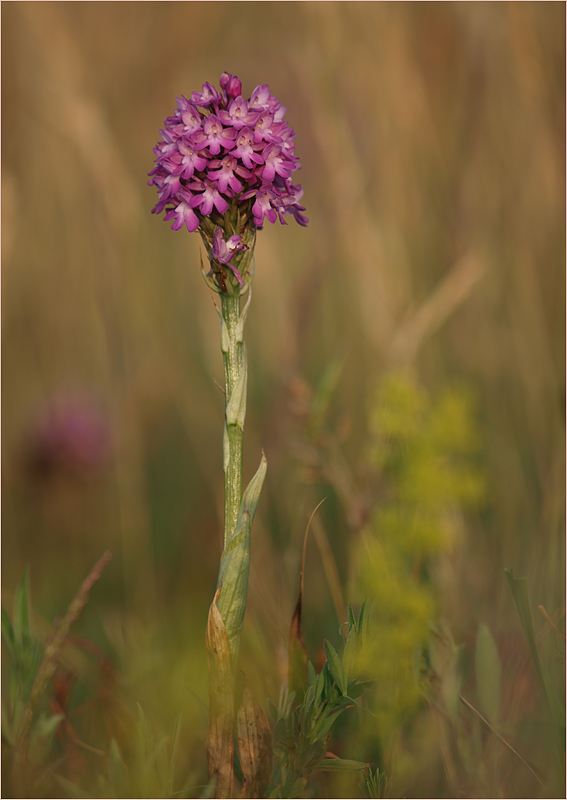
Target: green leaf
x,y
324,679
357,688
488,674
351,617
326,722
319,685
313,755
349,654
311,673
340,764
251,496
309,697
519,587
335,667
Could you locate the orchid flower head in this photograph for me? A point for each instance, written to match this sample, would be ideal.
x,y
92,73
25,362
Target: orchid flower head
x,y
225,163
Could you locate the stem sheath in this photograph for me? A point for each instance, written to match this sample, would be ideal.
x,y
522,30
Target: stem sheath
x,y
234,356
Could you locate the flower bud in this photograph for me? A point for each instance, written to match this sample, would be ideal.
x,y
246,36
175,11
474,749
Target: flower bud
x,y
231,84
234,87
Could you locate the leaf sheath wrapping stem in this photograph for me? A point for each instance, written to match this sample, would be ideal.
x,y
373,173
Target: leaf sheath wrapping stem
x,y
235,563
254,746
220,734
235,375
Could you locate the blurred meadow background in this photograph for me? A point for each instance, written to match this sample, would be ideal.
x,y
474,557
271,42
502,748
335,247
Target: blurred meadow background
x,y
406,361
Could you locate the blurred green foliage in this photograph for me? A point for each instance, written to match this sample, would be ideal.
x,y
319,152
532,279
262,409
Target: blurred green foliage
x,y
425,480
432,142
25,654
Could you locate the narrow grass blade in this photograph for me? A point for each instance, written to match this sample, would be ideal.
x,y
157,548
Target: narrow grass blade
x,y
519,587
501,738
340,765
8,636
21,614
174,752
488,674
297,676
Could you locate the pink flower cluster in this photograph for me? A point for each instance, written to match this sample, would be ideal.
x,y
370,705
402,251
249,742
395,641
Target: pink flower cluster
x,y
219,151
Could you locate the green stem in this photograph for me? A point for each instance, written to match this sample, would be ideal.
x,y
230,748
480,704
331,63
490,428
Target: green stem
x,y
234,356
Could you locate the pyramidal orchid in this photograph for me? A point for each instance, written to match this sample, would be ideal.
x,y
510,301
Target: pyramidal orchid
x,y
223,166
226,162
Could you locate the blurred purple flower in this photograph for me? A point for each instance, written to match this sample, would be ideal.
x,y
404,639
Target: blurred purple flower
x,y
71,433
